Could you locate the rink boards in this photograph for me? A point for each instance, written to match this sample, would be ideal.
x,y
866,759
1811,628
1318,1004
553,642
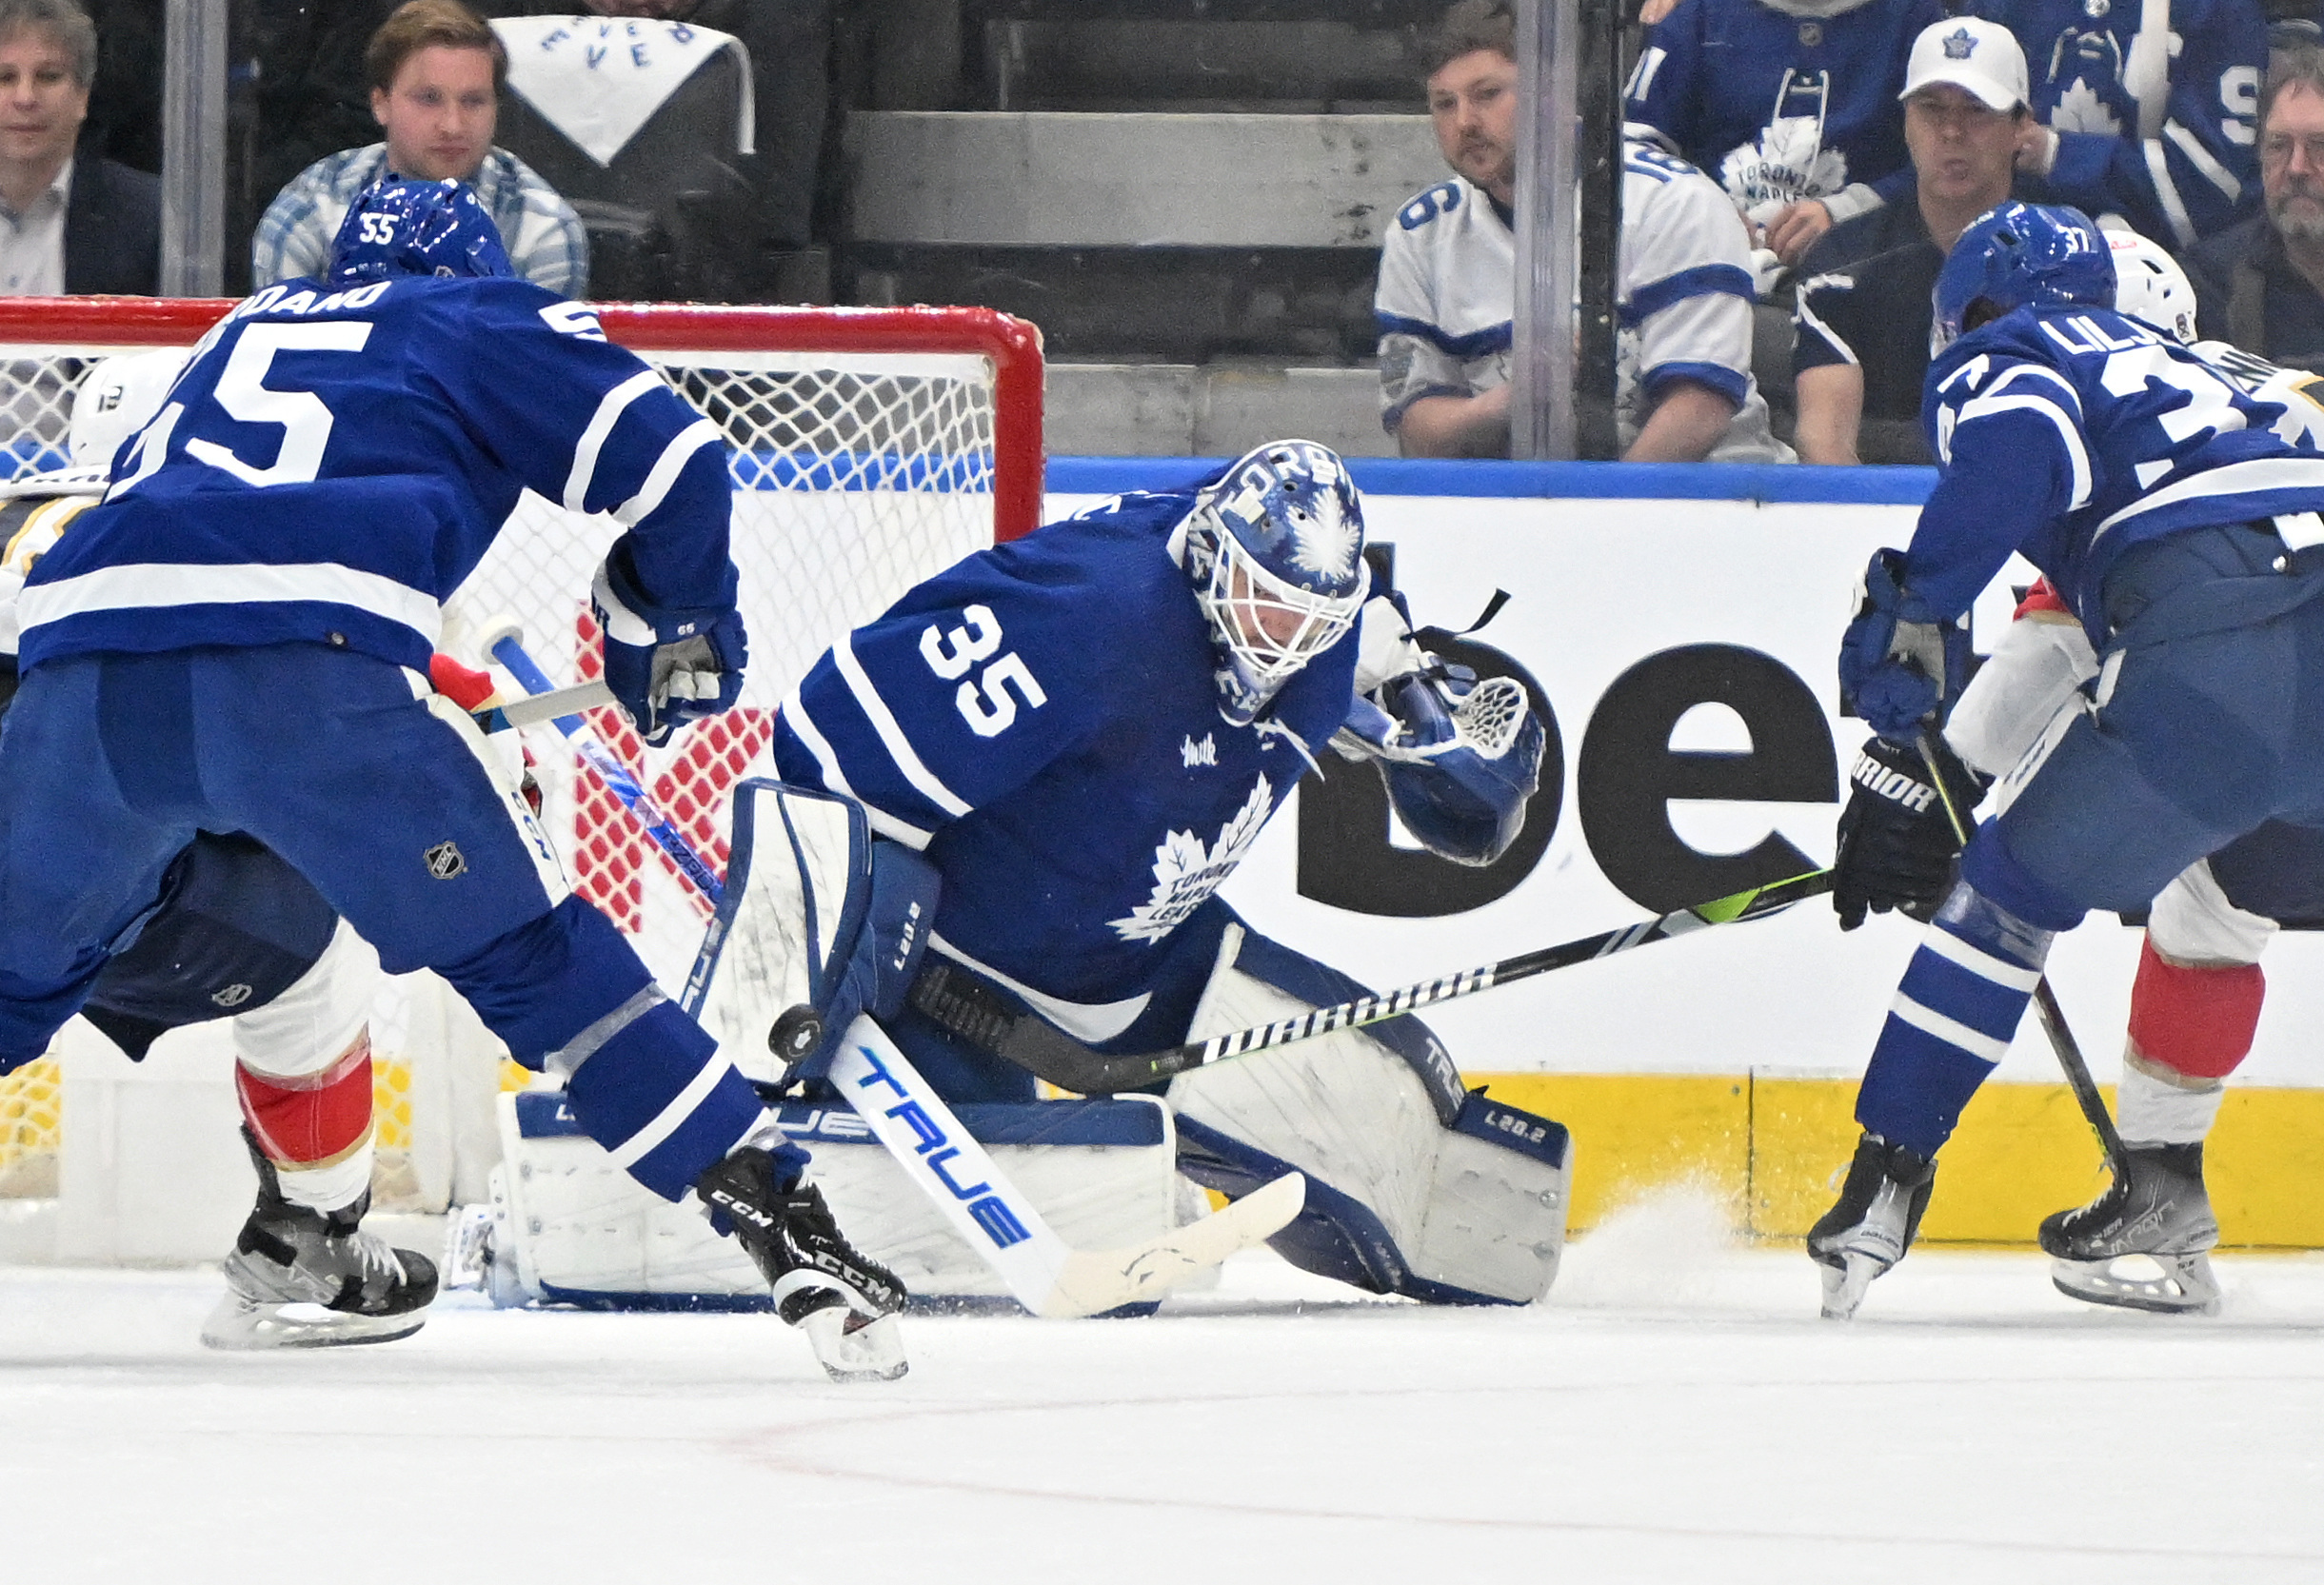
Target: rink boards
x,y
1681,625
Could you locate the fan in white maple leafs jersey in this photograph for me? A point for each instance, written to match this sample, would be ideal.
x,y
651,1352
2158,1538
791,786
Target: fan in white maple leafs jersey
x,y
1084,731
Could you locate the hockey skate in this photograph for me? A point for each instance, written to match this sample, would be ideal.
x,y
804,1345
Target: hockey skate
x,y
1874,1225
2155,1210
844,1303
306,1279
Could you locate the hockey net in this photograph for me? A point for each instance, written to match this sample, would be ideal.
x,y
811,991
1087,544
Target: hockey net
x,y
868,449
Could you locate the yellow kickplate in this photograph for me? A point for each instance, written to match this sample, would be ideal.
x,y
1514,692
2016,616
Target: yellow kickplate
x,y
1774,1149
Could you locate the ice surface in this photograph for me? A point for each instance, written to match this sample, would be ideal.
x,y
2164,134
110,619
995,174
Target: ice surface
x,y
1675,1412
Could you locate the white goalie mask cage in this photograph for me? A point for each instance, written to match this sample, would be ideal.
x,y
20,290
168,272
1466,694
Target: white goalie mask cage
x,y
1278,564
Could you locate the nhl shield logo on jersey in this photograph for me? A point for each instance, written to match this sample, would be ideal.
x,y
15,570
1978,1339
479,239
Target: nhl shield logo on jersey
x,y
445,861
1186,872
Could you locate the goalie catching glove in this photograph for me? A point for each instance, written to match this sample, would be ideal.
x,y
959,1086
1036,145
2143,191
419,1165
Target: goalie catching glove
x,y
668,664
1460,755
1896,841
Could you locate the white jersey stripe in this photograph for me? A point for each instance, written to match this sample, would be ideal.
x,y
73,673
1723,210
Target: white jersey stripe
x,y
2165,191
163,585
1983,964
593,439
1986,406
2199,157
891,734
671,1118
2259,474
666,467
795,716
1951,1031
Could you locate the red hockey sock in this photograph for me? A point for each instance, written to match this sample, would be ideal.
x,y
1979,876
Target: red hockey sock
x,y
311,1120
2197,1021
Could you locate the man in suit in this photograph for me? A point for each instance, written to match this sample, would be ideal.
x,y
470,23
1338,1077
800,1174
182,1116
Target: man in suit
x,y
66,224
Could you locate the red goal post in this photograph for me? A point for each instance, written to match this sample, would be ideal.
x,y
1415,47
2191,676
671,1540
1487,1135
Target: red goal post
x,y
869,448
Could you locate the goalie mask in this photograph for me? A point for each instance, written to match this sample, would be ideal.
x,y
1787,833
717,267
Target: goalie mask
x,y
1275,550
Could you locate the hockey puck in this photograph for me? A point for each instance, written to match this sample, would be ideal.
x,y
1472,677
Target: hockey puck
x,y
796,1034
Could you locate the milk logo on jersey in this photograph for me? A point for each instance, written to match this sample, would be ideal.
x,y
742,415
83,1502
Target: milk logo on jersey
x,y
1789,161
1186,872
1203,753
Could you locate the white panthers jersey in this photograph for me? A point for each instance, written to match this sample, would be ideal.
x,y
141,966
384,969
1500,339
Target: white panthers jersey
x,y
1448,282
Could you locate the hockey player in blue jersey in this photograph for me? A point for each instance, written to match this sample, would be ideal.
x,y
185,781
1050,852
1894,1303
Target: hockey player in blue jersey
x,y
1083,731
2147,110
2180,527
234,640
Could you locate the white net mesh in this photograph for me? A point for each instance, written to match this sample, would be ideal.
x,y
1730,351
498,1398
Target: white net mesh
x,y
855,476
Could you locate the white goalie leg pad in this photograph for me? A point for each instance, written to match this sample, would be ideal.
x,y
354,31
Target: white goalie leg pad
x,y
570,1226
1476,1210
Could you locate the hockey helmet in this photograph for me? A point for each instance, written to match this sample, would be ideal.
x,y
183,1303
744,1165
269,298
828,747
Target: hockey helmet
x,y
2017,253
2150,286
117,398
1275,548
416,228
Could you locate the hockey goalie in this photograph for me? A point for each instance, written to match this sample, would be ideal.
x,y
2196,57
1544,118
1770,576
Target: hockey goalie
x,y
1081,733
1056,751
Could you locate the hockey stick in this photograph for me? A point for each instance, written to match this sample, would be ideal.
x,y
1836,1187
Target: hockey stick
x,y
2045,999
969,1009
543,706
1048,1277
508,649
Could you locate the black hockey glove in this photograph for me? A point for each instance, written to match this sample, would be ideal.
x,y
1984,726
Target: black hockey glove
x,y
1897,844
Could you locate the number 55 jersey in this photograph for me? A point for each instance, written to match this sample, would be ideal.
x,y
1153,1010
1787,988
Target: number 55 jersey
x,y
331,464
1042,719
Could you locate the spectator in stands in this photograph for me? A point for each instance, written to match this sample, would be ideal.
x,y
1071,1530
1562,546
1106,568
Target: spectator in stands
x,y
1789,105
1448,278
790,68
67,224
436,71
1864,289
2161,137
2261,284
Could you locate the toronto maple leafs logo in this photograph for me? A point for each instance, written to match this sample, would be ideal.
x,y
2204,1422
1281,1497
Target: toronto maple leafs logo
x,y
2080,108
1788,163
1960,43
1186,872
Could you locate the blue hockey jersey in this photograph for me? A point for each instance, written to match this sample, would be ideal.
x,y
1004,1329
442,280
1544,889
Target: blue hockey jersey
x,y
1776,106
2071,434
1040,719
2201,170
330,465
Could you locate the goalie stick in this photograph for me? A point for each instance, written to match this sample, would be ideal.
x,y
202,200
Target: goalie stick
x,y
973,1011
1045,1274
